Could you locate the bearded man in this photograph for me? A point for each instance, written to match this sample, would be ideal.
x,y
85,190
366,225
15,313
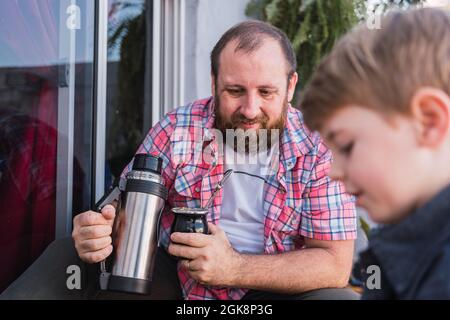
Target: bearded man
x,y
279,228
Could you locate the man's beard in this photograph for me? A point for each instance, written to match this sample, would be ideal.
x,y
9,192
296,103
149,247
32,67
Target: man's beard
x,y
241,142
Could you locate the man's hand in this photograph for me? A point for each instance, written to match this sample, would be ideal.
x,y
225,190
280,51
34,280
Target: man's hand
x,y
209,259
92,234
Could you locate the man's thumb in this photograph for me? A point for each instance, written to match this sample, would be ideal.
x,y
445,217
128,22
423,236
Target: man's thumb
x,y
212,228
109,212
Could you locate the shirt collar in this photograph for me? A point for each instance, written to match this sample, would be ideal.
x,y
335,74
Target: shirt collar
x,y
295,141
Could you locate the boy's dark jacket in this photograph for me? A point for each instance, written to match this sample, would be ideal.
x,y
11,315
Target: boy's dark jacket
x,y
414,255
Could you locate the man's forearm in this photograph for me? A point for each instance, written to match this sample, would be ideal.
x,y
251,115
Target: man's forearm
x,y
291,272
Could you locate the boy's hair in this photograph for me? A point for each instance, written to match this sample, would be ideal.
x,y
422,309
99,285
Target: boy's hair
x,y
381,69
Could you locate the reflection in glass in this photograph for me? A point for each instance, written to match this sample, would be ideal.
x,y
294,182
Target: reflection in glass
x,y
32,77
129,83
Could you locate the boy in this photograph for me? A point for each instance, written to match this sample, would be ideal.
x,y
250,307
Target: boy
x,y
381,101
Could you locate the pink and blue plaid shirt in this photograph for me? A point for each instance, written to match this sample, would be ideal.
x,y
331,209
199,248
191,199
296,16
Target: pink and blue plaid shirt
x,y
300,199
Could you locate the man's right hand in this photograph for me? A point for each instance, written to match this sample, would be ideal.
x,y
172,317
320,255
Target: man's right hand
x,y
92,234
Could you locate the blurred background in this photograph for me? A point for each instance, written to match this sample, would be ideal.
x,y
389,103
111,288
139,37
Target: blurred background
x,y
82,82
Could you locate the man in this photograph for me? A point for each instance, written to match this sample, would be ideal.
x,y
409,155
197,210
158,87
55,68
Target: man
x,y
288,232
280,229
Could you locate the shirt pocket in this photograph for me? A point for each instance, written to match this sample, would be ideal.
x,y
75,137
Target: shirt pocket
x,y
187,187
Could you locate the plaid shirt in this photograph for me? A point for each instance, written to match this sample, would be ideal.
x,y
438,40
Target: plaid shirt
x,y
300,199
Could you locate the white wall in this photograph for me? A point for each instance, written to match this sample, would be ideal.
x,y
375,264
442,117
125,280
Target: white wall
x,y
206,21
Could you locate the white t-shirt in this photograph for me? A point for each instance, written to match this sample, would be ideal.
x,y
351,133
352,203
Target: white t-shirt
x,y
242,216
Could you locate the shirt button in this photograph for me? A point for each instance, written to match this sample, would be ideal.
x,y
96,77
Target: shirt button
x,y
197,189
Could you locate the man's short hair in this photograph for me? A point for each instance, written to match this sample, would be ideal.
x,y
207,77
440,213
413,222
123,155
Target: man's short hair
x,y
381,69
250,36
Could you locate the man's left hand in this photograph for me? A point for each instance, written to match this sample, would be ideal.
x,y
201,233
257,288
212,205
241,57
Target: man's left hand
x,y
209,259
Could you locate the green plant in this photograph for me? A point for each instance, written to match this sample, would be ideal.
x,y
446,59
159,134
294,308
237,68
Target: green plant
x,y
313,26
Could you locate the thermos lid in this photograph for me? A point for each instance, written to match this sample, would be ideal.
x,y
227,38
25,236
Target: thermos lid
x,y
147,162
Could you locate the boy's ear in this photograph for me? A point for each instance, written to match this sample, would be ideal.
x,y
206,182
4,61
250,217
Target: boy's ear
x,y
431,109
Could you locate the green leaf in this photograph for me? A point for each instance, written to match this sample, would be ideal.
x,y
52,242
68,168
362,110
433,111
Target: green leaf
x,y
305,5
314,26
272,11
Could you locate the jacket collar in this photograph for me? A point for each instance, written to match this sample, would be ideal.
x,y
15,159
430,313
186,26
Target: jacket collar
x,y
404,250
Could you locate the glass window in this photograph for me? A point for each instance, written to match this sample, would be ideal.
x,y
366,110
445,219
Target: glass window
x,y
129,81
46,54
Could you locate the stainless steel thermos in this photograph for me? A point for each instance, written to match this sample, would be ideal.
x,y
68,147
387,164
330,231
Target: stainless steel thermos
x,y
136,227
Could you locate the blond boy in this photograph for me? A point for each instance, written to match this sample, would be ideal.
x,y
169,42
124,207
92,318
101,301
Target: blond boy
x,y
381,100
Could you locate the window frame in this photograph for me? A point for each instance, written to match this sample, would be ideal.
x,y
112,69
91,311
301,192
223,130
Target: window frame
x,y
168,87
